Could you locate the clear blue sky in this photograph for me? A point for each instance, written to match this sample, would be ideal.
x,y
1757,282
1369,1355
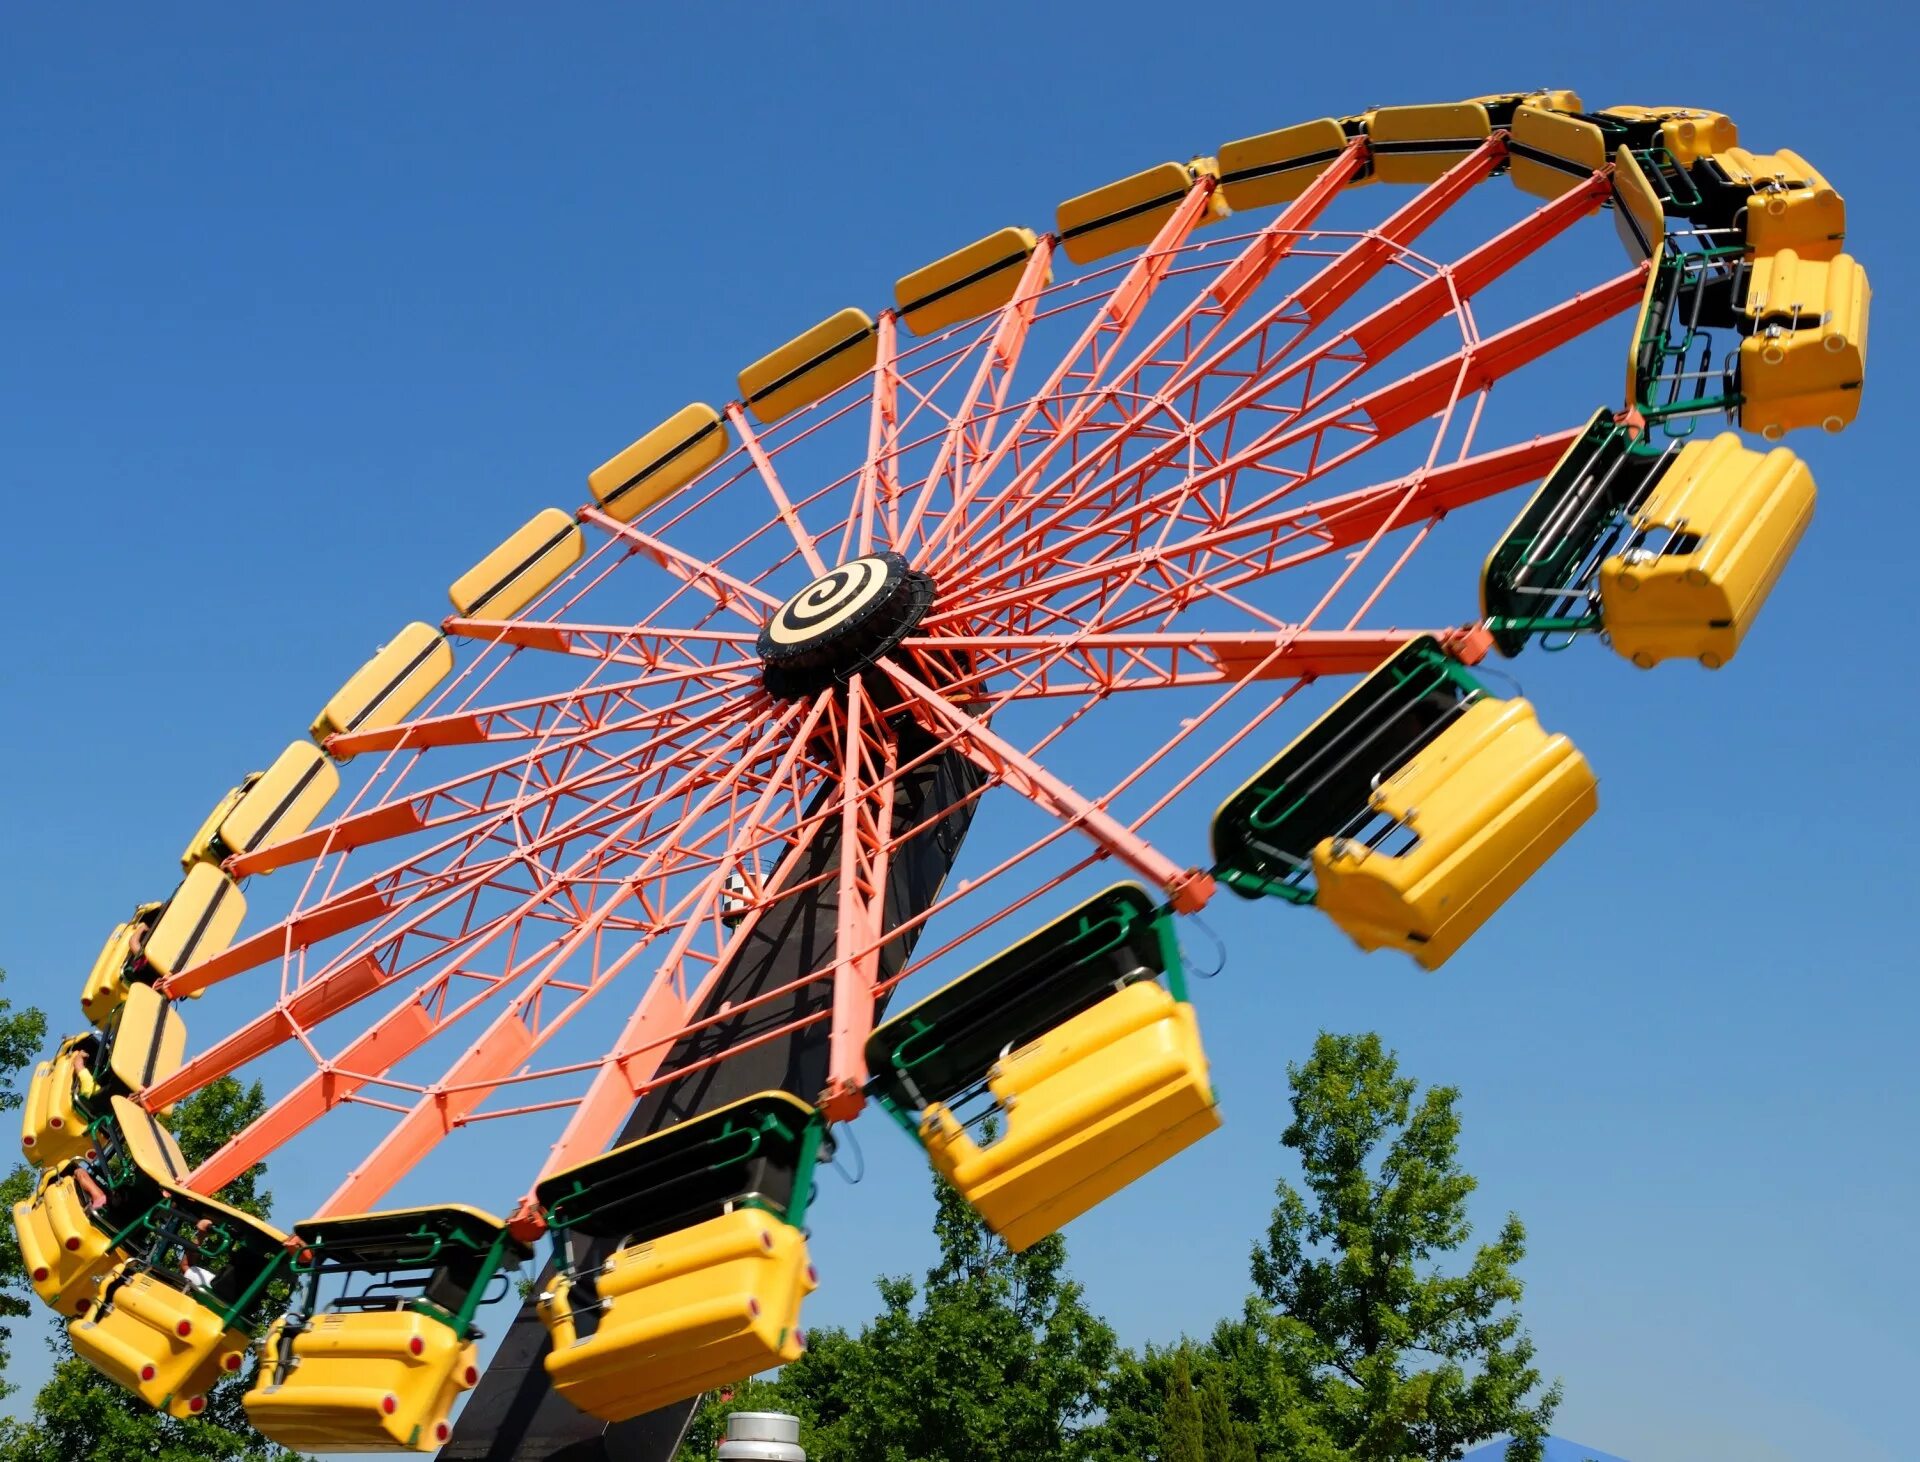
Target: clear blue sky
x,y
301,309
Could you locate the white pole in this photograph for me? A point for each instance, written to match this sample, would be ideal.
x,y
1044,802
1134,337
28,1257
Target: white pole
x,y
762,1436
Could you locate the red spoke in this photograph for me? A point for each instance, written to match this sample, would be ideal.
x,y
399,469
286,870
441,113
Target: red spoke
x,y
663,1009
1142,660
535,718
642,645
968,437
1188,889
358,974
523,1026
1232,287
723,588
1102,340
1368,343
1381,414
763,464
876,480
472,796
417,1020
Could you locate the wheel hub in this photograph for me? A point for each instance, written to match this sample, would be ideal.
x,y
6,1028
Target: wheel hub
x,y
841,623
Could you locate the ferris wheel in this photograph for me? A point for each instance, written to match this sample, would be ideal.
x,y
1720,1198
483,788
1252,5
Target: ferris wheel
x,y
639,842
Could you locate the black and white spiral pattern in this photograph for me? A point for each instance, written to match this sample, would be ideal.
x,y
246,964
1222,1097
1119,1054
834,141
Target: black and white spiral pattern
x,y
829,602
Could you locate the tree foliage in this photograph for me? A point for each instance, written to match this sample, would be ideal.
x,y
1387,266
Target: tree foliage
x,y
1357,1345
1249,1365
1183,1432
1402,1359
22,1033
1196,1422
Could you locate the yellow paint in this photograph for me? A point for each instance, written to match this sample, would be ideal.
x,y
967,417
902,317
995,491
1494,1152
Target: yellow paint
x,y
968,282
816,363
1287,162
1748,510
712,1303
1810,373
346,1366
660,463
521,569
1491,798
385,691
1091,1105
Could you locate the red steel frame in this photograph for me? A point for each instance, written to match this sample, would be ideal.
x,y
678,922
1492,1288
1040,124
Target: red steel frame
x,y
1087,537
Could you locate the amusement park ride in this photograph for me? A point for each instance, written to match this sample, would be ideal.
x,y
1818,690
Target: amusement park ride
x,y
701,756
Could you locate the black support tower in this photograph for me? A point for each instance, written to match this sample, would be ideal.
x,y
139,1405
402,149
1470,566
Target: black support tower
x,y
513,1416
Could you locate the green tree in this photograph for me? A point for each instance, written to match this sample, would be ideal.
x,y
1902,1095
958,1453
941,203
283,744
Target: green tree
x,y
761,1393
1183,1436
22,1033
1222,1438
1196,1422
1244,1378
1400,1359
79,1413
1267,1374
995,1355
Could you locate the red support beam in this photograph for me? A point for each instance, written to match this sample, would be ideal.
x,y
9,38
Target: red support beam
x,y
1189,889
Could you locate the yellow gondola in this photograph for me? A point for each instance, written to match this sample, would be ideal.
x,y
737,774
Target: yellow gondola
x,y
120,958
682,1263
1410,811
1705,549
1806,360
1778,199
967,282
1487,802
179,1314
521,569
659,464
64,1251
1069,1044
387,689
143,1042
379,1365
53,1118
1126,214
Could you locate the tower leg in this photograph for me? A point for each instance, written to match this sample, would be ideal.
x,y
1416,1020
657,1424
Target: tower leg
x,y
514,1416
